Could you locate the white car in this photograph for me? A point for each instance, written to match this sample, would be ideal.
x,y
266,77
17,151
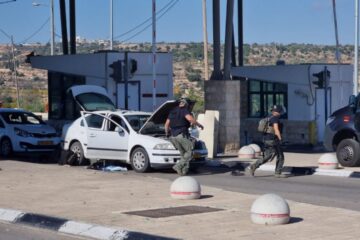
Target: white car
x,y
22,131
133,137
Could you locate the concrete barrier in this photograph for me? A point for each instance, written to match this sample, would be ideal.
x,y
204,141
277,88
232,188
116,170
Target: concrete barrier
x,y
257,149
328,161
270,209
185,188
246,152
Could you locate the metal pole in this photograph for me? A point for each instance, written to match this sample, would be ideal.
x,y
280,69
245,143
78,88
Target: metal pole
x,y
72,14
111,24
228,38
206,61
154,52
240,33
14,69
126,78
216,40
325,77
64,36
52,28
356,49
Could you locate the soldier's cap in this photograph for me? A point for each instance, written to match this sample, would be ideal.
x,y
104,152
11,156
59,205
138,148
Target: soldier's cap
x,y
277,108
183,101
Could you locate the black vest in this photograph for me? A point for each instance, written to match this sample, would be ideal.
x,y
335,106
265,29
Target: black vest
x,y
178,122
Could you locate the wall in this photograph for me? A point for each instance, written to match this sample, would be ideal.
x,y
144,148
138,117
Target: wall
x,y
226,97
293,132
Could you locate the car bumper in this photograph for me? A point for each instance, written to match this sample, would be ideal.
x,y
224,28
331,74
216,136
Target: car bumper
x,y
167,159
36,145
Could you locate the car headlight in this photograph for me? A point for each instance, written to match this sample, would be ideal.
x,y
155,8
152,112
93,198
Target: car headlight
x,y
164,146
22,133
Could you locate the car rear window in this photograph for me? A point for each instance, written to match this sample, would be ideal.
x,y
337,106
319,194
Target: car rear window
x,y
94,102
21,118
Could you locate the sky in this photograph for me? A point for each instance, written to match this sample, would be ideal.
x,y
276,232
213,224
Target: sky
x,y
265,21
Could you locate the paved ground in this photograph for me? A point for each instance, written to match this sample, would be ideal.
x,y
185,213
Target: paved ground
x,y
103,198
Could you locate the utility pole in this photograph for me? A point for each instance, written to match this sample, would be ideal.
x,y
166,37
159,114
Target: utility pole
x,y
14,69
154,52
206,63
52,27
356,49
111,24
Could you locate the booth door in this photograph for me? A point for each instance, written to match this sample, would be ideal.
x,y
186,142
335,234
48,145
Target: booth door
x,y
133,96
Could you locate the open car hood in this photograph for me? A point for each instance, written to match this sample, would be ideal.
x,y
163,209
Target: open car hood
x,y
160,115
91,97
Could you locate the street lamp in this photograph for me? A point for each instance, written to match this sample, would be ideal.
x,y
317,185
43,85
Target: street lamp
x,y
52,27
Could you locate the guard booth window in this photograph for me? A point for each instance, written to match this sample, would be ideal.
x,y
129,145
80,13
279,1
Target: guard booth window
x,y
61,104
263,95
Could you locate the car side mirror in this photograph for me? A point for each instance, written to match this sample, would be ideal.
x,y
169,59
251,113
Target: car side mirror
x,y
352,101
119,130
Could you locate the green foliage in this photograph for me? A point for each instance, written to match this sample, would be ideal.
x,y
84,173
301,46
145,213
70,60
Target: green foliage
x,y
199,105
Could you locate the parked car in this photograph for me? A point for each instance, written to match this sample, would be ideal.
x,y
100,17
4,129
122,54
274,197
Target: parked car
x,y
23,131
133,137
342,133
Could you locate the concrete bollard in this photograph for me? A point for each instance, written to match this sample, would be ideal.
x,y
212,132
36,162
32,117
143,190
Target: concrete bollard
x,y
246,152
328,161
185,188
257,149
270,209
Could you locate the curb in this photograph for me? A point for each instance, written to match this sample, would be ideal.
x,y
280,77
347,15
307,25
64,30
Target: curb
x,y
314,171
292,170
71,227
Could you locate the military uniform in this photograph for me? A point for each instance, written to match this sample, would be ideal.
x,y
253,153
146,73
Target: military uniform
x,y
180,138
272,146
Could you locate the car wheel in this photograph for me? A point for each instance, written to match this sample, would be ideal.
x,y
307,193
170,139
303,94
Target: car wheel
x,y
140,160
348,153
77,156
6,147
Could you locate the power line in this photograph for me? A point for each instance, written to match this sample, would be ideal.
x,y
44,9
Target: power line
x,y
36,32
147,20
3,32
149,25
8,1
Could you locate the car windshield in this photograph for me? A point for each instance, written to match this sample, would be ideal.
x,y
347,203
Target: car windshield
x,y
137,121
21,118
95,102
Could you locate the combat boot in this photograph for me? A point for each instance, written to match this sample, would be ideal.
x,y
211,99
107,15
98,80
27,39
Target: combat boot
x,y
280,175
251,169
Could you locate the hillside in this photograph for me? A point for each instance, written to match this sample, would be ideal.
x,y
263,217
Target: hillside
x,y
187,65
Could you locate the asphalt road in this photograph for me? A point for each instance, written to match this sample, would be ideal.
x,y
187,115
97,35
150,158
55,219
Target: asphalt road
x,y
318,190
20,232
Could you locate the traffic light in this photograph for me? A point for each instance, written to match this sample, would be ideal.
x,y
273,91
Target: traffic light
x,y
133,66
117,71
322,77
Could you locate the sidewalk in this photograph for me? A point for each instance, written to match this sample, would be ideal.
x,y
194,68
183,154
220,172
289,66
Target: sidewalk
x,y
102,198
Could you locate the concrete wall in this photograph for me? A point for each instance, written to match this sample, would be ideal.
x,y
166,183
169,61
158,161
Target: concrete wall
x,y
293,132
225,97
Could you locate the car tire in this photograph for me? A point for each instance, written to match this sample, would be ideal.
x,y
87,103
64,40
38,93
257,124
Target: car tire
x,y
77,150
6,147
140,160
348,153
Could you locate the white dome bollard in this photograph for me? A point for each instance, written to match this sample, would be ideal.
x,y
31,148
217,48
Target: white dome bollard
x,y
257,149
185,188
246,152
270,209
328,161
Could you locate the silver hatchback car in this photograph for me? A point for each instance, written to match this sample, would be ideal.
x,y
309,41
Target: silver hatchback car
x,y
23,131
